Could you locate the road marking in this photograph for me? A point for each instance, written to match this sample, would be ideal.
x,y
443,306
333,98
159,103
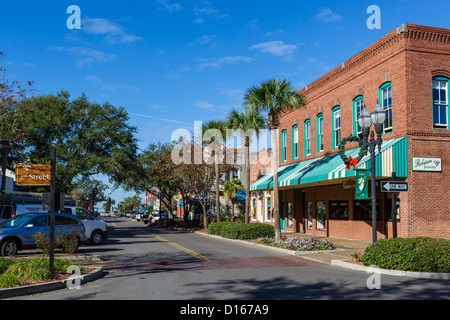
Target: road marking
x,y
173,244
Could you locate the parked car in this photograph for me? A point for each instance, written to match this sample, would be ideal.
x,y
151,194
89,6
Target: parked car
x,y
96,229
146,216
157,216
138,216
17,233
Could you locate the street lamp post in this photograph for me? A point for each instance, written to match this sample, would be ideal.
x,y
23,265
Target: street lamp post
x,y
365,120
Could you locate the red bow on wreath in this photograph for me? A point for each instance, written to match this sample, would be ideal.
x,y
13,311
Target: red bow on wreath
x,y
352,162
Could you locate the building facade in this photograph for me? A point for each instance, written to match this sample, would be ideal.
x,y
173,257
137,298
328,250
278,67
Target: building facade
x,y
408,73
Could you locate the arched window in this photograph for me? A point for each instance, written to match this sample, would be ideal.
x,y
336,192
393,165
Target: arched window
x,y
440,102
319,132
335,126
307,138
295,142
385,100
358,106
283,146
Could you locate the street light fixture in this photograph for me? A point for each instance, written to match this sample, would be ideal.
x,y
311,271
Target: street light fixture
x,y
365,120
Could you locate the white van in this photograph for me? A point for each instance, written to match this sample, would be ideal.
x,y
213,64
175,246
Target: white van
x,y
8,211
96,229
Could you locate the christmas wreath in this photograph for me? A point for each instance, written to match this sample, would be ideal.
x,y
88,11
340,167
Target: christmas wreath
x,y
349,161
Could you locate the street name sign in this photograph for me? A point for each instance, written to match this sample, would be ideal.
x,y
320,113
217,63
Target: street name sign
x,y
394,186
33,175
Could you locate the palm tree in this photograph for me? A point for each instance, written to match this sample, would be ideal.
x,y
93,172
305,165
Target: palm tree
x,y
274,97
247,120
221,126
230,188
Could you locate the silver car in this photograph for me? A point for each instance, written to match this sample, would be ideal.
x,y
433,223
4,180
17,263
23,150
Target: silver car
x,y
18,233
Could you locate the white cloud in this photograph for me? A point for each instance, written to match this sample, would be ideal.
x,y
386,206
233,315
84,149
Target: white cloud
x,y
114,33
207,10
204,105
218,63
174,7
87,56
327,15
276,48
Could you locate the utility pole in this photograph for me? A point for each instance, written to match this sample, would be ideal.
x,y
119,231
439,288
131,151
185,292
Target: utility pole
x,y
52,210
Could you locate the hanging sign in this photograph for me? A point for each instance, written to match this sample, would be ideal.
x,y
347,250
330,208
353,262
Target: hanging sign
x,y
362,184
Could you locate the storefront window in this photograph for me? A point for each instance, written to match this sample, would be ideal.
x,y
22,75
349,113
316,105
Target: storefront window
x,y
320,215
290,214
362,210
389,209
338,209
310,210
268,209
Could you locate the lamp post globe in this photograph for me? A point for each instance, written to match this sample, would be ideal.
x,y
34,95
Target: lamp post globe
x,y
378,115
365,120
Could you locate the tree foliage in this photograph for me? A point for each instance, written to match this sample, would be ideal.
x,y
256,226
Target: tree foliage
x,y
89,138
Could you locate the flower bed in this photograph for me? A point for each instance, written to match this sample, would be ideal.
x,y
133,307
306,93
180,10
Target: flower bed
x,y
298,244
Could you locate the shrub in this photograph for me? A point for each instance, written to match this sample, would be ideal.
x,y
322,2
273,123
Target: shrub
x,y
67,243
238,230
299,244
420,254
27,270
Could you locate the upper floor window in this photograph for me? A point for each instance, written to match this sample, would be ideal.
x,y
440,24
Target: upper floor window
x,y
307,138
385,100
283,146
319,132
335,127
358,106
295,142
440,102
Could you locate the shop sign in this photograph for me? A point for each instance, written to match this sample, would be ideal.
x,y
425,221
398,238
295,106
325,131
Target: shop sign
x,y
430,164
362,184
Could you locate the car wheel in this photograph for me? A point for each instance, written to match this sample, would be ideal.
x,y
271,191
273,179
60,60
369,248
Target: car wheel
x,y
96,238
10,248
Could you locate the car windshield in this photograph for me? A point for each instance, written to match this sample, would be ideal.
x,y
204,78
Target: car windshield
x,y
15,222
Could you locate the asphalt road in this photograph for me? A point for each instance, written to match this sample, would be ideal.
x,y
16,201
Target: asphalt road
x,y
146,263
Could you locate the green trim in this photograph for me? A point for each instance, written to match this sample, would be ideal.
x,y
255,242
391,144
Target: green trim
x,y
305,125
320,115
334,144
283,145
293,143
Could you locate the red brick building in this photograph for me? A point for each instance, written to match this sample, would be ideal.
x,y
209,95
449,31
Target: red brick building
x,y
408,73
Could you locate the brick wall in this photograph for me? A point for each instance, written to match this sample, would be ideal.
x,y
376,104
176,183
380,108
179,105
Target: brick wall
x,y
408,57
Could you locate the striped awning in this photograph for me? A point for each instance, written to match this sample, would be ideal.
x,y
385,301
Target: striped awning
x,y
393,157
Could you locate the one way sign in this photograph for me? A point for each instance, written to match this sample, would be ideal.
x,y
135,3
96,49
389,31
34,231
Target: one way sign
x,y
394,186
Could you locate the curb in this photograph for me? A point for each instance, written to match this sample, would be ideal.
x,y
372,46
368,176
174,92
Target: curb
x,y
54,285
375,269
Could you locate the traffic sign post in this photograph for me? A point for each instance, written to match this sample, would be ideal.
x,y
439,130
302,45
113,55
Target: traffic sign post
x,y
394,186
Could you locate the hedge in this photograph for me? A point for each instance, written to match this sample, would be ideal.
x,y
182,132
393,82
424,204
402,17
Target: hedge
x,y
238,230
420,254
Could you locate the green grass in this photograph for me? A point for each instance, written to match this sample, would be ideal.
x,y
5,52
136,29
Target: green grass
x,y
24,271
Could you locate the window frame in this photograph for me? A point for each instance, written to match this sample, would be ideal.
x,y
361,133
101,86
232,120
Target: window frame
x,y
446,80
319,132
334,143
307,138
357,102
283,146
384,86
294,144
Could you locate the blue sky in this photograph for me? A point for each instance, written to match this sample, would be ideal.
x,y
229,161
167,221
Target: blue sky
x,y
173,62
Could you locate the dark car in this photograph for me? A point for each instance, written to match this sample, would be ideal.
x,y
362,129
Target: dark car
x,y
146,216
18,233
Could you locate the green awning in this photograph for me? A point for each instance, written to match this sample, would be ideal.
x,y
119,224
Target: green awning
x,y
393,157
